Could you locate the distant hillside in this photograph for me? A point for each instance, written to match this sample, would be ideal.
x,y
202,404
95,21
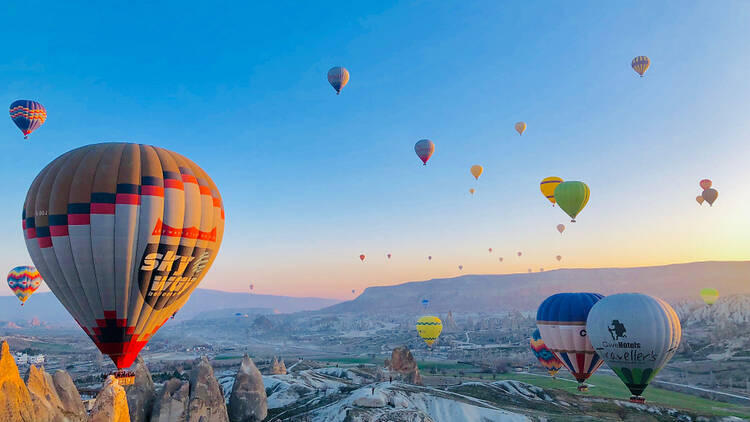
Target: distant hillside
x,y
46,308
497,293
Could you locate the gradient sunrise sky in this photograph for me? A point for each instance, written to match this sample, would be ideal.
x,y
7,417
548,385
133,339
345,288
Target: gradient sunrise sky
x,y
310,180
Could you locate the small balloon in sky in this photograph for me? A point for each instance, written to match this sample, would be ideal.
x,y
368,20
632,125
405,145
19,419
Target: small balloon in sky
x,y
490,250
705,183
388,255
699,199
424,149
338,77
519,253
362,257
558,257
27,115
709,295
710,195
460,267
520,127
429,258
529,270
471,191
561,228
640,64
500,259
476,171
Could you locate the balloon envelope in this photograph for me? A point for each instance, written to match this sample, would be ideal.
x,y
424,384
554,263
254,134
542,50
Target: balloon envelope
x,y
548,185
476,171
561,320
27,115
24,281
699,199
471,191
500,259
636,335
460,267
709,295
640,64
388,255
429,328
362,257
424,150
425,303
561,228
122,234
705,183
558,257
338,77
710,195
572,197
519,253
549,361
520,127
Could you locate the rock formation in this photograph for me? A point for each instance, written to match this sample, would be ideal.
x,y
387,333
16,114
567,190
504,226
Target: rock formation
x,y
141,394
14,396
402,362
248,402
111,403
171,404
278,368
449,324
72,405
206,397
44,398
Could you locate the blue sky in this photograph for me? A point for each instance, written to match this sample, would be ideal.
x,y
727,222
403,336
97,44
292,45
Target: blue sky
x,y
310,180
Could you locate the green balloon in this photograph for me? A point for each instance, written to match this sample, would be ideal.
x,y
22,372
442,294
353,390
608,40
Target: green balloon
x,y
572,197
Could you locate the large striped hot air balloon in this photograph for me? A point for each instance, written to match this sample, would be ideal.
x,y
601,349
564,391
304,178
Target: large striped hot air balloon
x,y
424,149
548,185
24,281
429,328
549,361
572,198
122,234
640,64
27,115
338,77
635,335
561,320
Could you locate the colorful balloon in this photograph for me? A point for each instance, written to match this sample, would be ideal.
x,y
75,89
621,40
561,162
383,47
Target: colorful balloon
x,y
709,295
122,234
636,335
640,64
561,320
519,253
362,257
429,328
476,171
424,149
388,255
705,183
24,281
27,115
252,286
699,199
548,185
520,127
549,361
561,228
710,196
338,77
471,191
572,197
425,303
558,257
489,249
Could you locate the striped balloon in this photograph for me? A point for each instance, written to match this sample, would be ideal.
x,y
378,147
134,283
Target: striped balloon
x,y
561,320
122,234
338,77
572,197
429,328
640,64
549,361
24,281
27,115
424,149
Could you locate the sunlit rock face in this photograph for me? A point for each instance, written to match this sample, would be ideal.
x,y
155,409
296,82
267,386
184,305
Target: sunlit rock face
x,y
403,364
15,399
141,394
111,403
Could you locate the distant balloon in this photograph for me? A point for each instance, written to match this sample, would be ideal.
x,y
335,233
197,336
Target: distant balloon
x,y
490,250
27,115
338,77
705,183
640,64
388,255
424,149
548,185
500,259
471,191
622,322
709,295
549,361
699,199
429,328
572,197
541,270
353,291
519,253
529,270
362,257
710,195
252,286
24,281
476,171
520,127
425,303
460,267
561,320
561,228
558,257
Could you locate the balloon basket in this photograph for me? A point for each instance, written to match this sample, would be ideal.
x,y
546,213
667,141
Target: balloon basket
x,y
583,387
124,377
637,399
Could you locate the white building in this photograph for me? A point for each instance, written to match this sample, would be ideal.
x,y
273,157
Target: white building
x,y
24,359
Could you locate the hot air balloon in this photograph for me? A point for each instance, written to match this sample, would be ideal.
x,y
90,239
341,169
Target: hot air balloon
x,y
709,295
122,234
338,77
561,319
710,196
572,197
541,270
429,258
425,303
549,361
362,257
489,250
705,183
558,257
561,228
471,191
520,127
519,253
548,185
460,267
353,291
476,171
27,115
529,270
429,328
640,64
388,255
699,199
252,286
24,281
424,150
500,259
636,335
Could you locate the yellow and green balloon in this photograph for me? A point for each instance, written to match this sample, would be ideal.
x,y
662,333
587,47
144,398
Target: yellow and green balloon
x,y
429,328
572,197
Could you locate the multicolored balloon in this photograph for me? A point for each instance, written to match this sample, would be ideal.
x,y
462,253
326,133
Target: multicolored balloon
x,y
548,185
476,171
122,234
710,196
429,328
561,320
640,64
561,228
572,198
699,199
27,115
338,77
705,183
520,127
519,253
252,287
636,335
24,281
549,361
709,295
424,149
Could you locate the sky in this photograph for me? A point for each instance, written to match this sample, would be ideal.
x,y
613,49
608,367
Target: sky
x,y
311,180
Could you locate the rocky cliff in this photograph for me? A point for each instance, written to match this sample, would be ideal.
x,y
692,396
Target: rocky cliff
x,y
248,401
404,365
111,403
141,394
